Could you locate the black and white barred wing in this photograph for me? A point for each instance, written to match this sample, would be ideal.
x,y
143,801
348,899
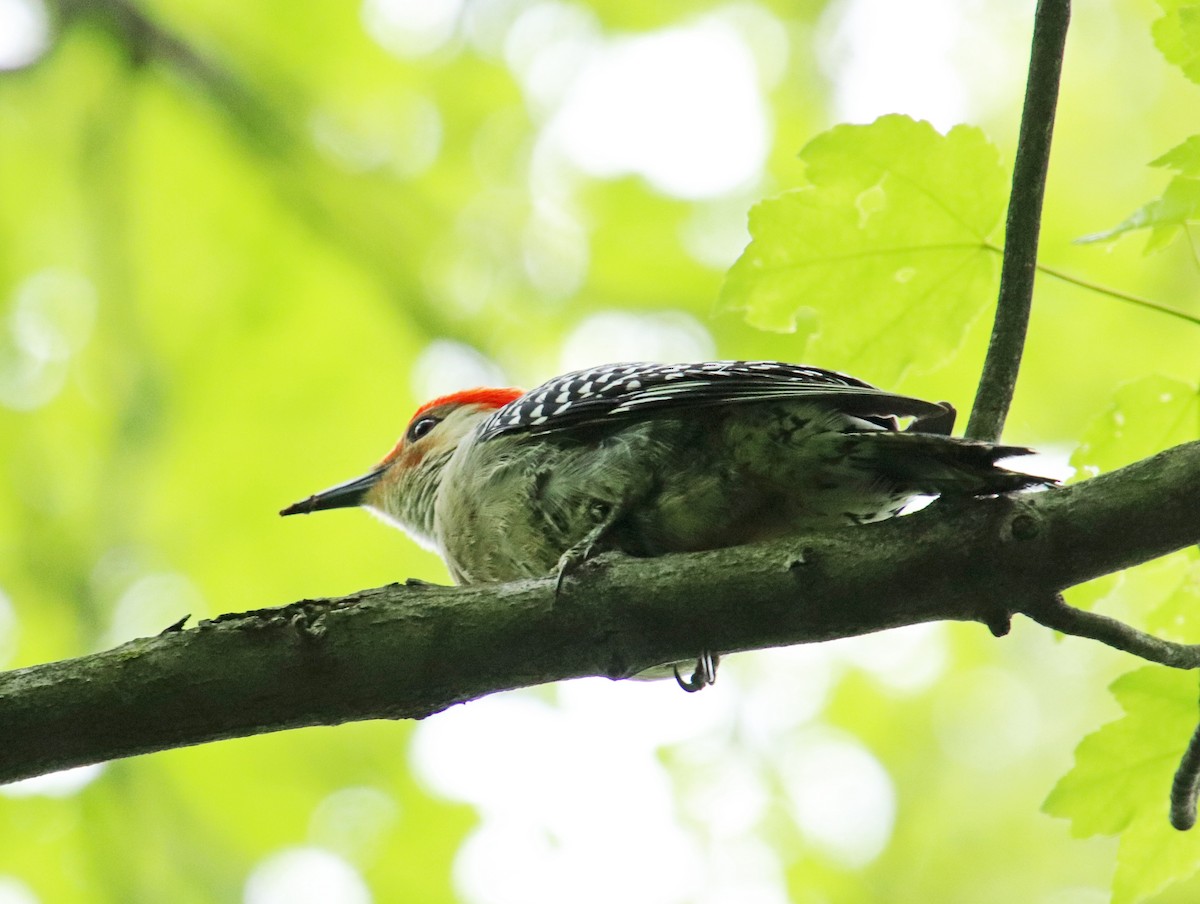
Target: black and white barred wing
x,y
620,393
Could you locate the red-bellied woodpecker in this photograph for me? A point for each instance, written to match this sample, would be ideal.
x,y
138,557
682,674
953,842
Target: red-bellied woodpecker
x,y
650,459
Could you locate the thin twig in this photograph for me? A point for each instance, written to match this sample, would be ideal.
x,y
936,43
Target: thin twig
x,y
1024,220
1057,614
1186,786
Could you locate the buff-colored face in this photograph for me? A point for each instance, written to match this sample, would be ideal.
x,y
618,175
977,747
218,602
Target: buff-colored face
x,y
402,486
433,433
409,475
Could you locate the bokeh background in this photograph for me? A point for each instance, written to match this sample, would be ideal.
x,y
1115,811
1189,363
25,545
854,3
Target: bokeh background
x,y
239,243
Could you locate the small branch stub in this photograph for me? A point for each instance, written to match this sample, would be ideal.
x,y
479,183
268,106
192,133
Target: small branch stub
x,y
1024,527
1000,623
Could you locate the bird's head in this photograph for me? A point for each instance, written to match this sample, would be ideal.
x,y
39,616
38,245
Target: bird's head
x,y
403,486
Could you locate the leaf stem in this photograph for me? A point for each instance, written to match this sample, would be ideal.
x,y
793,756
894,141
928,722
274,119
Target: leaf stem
x,y
1066,277
1003,360
1193,319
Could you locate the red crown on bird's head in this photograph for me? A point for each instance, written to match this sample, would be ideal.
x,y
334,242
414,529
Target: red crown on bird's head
x,y
484,396
488,397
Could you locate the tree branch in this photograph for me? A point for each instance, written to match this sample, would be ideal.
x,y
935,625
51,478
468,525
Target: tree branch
x,y
405,651
1003,360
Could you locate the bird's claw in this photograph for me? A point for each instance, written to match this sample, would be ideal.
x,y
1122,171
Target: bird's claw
x,y
703,675
606,515
570,561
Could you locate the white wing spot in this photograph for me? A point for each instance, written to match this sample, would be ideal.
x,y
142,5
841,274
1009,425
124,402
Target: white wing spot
x,y
563,397
537,413
561,408
634,384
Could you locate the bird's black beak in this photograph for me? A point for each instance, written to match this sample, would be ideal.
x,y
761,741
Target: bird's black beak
x,y
344,495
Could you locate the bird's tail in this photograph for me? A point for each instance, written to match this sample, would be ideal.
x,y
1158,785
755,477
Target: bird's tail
x,y
932,464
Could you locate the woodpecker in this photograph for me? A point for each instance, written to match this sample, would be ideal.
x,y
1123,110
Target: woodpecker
x,y
650,459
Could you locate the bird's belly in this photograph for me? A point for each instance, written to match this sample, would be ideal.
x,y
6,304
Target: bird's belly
x,y
520,532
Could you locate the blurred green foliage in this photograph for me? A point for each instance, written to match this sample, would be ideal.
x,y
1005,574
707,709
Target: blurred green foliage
x,y
239,243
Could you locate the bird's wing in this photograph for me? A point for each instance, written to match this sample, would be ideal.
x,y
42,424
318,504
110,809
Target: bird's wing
x,y
620,393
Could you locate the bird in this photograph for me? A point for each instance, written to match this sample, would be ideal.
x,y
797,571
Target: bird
x,y
650,459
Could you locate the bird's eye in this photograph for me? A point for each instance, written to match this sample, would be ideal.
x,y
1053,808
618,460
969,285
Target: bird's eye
x,y
421,427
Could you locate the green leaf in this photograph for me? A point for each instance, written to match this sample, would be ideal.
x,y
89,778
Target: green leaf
x,y
1123,770
1121,780
1177,617
884,258
1183,158
1178,206
1145,417
1166,216
1177,35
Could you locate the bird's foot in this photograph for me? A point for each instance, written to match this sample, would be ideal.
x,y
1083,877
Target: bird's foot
x,y
569,561
704,674
606,516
